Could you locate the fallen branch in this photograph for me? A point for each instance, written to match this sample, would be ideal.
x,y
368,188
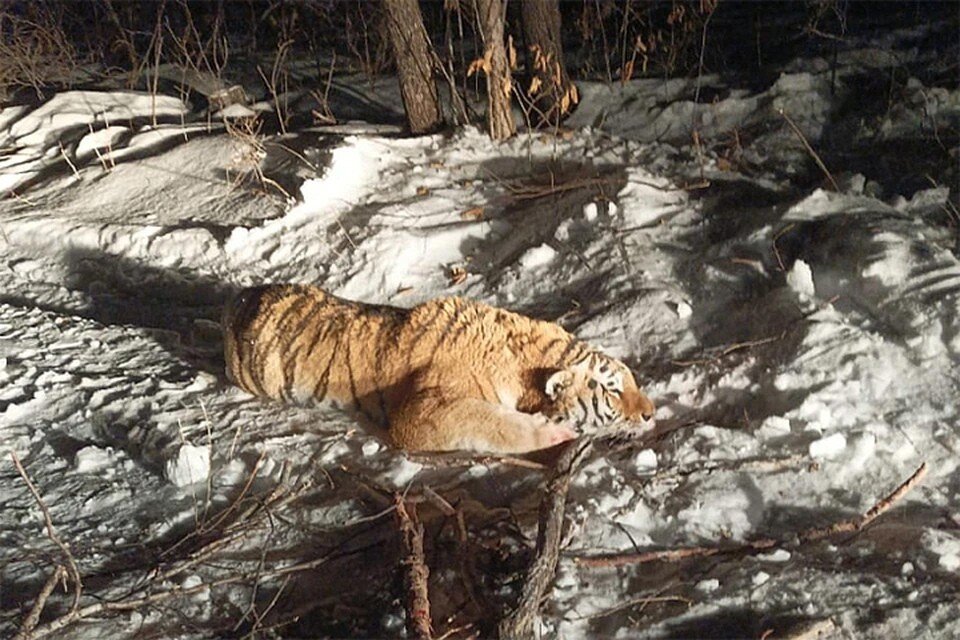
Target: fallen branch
x,y
30,622
851,525
132,604
642,602
806,145
416,571
71,564
519,623
732,348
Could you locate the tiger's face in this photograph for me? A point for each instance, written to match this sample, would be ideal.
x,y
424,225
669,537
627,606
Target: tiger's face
x,y
598,392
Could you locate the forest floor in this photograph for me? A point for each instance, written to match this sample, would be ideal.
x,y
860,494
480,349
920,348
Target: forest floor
x,y
797,326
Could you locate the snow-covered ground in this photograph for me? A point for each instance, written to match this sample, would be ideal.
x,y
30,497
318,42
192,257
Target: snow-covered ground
x,y
801,344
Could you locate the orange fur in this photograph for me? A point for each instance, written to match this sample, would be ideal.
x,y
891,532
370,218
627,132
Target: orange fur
x,y
447,374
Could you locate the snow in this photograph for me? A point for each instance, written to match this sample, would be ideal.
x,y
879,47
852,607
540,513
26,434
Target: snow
x,y
191,465
800,279
801,345
830,447
537,257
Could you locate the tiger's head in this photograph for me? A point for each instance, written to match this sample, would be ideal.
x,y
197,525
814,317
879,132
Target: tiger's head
x,y
595,393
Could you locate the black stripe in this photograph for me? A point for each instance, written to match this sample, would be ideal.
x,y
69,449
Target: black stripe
x,y
441,339
357,404
284,336
382,400
550,345
425,326
264,344
330,325
379,344
583,406
290,365
245,308
476,381
573,344
323,382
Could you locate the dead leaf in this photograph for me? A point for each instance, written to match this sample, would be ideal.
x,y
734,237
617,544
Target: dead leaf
x,y
481,64
457,275
423,191
472,214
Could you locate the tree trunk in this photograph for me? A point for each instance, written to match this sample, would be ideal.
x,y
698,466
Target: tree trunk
x,y
551,92
414,58
497,69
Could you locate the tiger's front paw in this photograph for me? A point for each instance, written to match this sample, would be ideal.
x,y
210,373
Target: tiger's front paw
x,y
551,435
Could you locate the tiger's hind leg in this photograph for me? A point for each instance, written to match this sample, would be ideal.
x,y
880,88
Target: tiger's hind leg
x,y
431,421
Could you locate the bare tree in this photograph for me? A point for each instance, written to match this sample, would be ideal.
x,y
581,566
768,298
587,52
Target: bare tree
x,y
551,91
414,57
497,68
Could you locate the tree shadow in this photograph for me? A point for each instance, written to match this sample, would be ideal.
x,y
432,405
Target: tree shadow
x,y
534,198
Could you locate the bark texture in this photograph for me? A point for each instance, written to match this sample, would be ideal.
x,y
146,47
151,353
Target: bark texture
x,y
414,58
497,68
550,90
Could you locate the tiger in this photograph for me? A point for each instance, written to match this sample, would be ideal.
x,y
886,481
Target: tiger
x,y
448,374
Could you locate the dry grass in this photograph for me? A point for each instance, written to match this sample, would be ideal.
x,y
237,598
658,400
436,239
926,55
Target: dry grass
x,y
35,51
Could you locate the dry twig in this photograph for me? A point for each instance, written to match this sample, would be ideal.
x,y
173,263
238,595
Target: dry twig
x,y
32,618
133,604
416,571
852,525
806,145
71,564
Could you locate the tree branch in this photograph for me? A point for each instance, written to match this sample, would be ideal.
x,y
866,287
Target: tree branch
x,y
416,571
851,525
519,623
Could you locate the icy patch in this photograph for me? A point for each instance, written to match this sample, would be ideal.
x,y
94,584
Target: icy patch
x,y
780,555
93,459
563,230
945,546
191,465
646,461
590,211
538,257
829,447
708,586
775,426
99,140
800,279
821,204
404,471
683,310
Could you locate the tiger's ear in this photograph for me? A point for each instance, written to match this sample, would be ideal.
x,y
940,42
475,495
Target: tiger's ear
x,y
557,382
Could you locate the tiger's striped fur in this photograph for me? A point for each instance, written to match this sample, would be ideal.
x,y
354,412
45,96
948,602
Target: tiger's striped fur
x,y
447,374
